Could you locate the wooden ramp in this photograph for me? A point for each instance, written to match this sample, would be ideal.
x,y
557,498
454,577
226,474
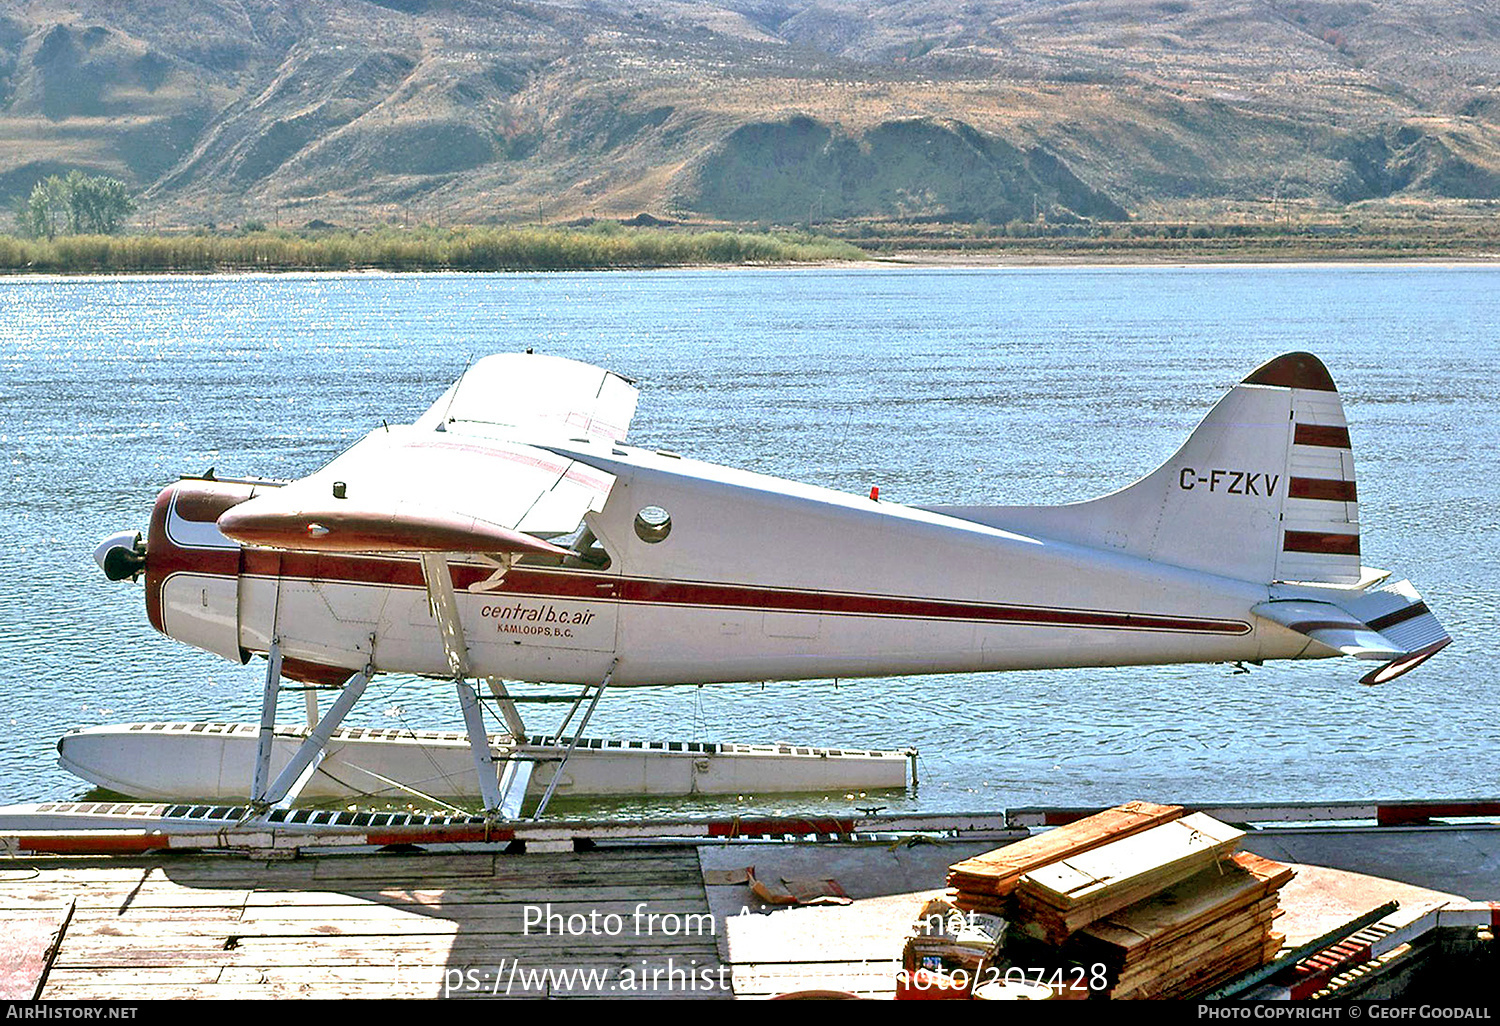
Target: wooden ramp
x,y
27,944
373,926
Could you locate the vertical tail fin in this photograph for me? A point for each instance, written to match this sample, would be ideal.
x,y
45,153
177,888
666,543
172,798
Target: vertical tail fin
x,y
1263,490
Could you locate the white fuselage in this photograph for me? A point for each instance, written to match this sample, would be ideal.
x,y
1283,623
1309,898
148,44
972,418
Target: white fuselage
x,y
757,579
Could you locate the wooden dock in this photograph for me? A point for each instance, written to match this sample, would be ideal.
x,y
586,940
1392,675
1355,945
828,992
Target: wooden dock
x,y
363,926
630,921
633,918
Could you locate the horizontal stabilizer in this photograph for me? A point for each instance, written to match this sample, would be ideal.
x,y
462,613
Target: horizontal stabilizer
x,y
1329,625
1397,612
1390,623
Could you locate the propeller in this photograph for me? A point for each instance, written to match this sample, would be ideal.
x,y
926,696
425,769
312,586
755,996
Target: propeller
x,y
121,555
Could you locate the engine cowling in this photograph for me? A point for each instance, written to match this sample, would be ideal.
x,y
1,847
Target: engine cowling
x,y
192,570
196,582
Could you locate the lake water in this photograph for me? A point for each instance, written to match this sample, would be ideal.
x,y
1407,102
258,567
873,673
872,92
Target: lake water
x,y
937,385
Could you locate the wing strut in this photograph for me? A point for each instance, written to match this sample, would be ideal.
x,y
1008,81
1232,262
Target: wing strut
x,y
445,608
502,793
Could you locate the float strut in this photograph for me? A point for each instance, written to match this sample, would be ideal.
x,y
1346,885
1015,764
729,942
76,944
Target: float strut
x,y
557,773
295,775
479,744
508,710
572,711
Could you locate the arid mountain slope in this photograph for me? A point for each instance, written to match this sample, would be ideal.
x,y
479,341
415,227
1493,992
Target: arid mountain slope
x,y
754,110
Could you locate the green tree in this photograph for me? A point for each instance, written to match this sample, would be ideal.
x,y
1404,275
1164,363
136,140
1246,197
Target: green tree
x,y
77,204
42,214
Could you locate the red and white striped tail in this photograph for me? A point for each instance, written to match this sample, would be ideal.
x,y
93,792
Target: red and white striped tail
x,y
1320,512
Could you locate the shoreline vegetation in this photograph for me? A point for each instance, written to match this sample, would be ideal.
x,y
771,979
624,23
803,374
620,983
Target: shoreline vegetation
x,y
423,249
605,245
1340,237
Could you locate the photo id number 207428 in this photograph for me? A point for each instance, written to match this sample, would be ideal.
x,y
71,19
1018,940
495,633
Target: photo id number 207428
x,y
1093,977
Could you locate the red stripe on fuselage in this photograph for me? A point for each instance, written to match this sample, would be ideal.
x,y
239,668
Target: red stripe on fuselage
x,y
211,498
644,591
167,559
691,594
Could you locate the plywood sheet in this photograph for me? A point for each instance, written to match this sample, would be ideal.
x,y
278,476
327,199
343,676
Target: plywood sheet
x,y
1091,876
997,872
26,943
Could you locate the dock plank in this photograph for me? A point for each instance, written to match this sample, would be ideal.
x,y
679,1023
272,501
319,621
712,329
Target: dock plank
x,y
498,895
373,925
504,912
189,934
329,953
147,975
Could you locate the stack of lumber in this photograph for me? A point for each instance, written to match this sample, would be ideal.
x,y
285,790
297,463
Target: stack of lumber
x,y
1161,899
1055,901
1192,936
986,882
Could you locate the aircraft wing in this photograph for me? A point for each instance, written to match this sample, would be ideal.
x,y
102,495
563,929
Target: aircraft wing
x,y
463,478
528,394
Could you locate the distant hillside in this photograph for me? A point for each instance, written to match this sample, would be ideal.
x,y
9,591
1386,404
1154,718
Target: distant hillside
x,y
751,110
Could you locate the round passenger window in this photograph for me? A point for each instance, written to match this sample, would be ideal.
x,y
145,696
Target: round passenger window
x,y
652,524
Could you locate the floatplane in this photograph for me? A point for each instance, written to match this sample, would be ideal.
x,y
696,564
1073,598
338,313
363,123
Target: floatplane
x,y
511,535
